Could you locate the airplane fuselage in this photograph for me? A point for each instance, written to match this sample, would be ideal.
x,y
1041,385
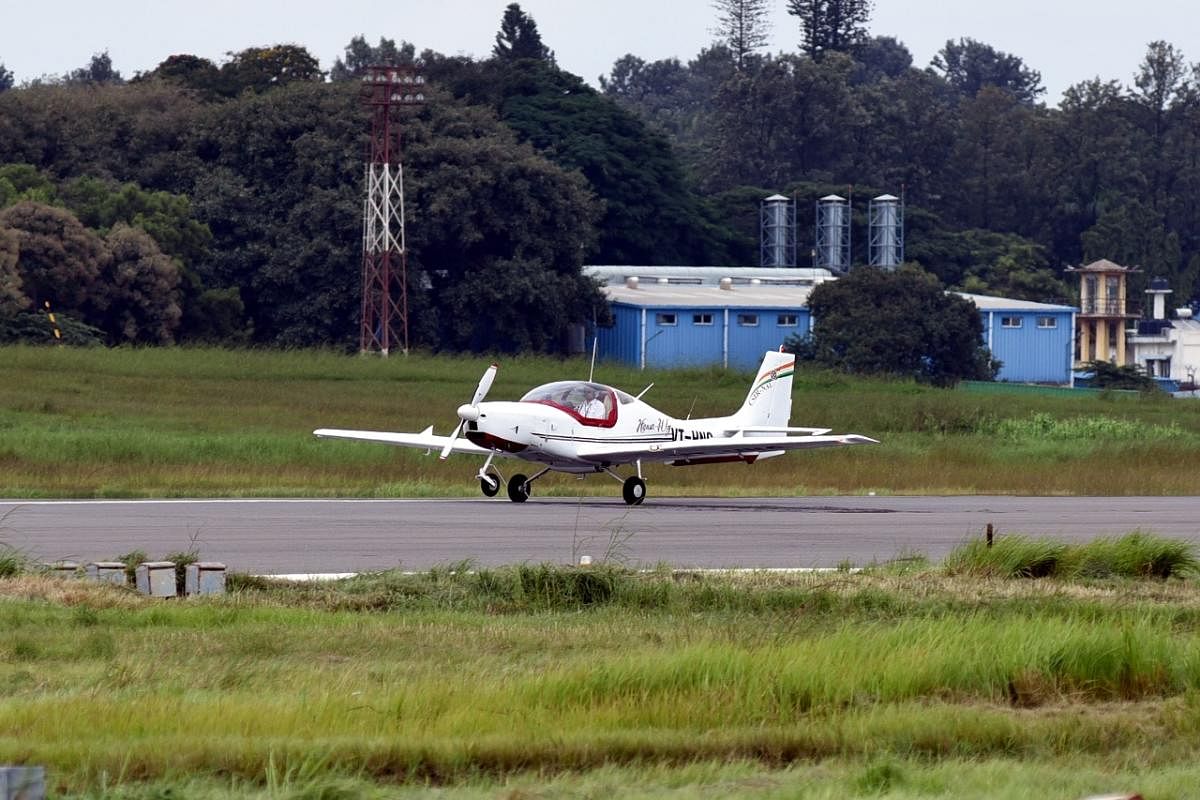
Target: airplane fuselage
x,y
545,434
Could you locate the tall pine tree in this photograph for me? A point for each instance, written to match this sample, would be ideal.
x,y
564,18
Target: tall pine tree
x,y
519,37
831,24
742,26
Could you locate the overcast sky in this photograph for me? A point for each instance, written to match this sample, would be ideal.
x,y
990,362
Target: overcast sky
x,y
1067,40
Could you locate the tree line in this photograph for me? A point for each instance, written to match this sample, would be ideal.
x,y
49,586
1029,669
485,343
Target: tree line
x,y
222,202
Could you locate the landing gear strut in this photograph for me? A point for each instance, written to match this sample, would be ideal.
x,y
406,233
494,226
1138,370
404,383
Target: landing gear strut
x,y
519,487
633,488
489,480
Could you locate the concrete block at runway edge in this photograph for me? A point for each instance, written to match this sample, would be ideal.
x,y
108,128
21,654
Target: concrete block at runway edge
x,y
22,783
156,578
107,572
204,577
62,569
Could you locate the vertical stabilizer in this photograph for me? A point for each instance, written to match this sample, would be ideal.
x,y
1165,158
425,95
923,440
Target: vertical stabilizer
x,y
769,402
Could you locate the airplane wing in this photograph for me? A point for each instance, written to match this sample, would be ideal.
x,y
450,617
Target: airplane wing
x,y
425,440
736,448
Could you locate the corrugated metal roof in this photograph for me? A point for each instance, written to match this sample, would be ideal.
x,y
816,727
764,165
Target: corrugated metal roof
x,y
614,274
989,303
652,295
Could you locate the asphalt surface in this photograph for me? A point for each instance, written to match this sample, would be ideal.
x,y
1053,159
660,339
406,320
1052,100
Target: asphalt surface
x,y
322,536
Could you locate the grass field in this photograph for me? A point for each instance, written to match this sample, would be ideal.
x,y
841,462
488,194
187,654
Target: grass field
x,y
904,681
184,422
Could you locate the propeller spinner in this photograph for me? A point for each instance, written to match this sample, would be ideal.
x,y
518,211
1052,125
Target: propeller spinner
x,y
470,411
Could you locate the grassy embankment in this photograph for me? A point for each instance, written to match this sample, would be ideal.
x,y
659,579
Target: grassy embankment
x,y
907,681
180,422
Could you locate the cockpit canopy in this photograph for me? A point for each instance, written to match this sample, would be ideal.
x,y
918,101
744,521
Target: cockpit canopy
x,y
590,403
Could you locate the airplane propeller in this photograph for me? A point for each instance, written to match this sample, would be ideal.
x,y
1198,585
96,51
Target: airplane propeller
x,y
470,411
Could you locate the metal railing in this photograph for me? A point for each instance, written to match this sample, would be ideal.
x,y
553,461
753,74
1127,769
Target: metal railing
x,y
1109,308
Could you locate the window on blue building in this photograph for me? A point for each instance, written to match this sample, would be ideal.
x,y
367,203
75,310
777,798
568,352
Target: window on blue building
x,y
1047,322
666,319
702,319
1010,322
786,321
748,320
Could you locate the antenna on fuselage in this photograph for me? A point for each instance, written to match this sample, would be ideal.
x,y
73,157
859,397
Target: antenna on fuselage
x,y
592,368
643,391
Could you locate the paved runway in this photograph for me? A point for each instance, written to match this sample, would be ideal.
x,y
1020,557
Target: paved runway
x,y
289,536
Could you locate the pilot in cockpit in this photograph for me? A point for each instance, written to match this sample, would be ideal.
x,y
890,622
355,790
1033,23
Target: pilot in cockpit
x,y
592,406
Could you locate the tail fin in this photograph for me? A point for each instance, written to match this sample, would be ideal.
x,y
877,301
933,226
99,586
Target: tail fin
x,y
770,399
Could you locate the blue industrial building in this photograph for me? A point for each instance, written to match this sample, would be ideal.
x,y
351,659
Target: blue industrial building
x,y
1035,342
694,316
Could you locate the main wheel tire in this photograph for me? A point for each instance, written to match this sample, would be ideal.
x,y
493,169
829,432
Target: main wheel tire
x,y
490,485
634,491
518,488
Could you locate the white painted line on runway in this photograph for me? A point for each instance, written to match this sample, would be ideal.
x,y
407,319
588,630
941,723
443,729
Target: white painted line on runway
x,y
233,500
300,577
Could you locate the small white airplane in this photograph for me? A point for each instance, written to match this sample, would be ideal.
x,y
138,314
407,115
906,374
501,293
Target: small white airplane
x,y
581,427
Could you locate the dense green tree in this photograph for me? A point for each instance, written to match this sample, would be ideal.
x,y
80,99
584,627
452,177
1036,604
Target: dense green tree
x,y
519,37
1106,375
992,161
880,57
907,136
34,327
897,323
360,55
828,26
969,66
1159,101
260,69
675,99
651,215
189,71
97,71
58,258
1009,266
1092,139
786,119
6,78
137,132
12,299
168,218
501,228
743,26
25,182
136,298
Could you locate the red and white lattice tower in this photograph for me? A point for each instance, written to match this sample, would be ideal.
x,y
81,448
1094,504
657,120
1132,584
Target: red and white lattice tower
x,y
385,260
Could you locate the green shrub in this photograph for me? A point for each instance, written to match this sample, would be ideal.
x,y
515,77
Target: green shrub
x,y
1134,555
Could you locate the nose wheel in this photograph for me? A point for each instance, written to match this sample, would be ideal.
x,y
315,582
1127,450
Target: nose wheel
x,y
634,491
489,484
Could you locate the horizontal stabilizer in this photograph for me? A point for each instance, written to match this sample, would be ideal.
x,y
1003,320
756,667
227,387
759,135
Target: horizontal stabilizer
x,y
758,430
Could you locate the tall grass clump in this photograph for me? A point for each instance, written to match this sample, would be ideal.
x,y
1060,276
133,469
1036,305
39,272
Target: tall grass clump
x,y
1134,555
1043,426
12,561
1137,554
1013,556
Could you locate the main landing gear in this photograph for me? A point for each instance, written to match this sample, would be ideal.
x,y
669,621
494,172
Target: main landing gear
x,y
634,491
633,488
519,487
